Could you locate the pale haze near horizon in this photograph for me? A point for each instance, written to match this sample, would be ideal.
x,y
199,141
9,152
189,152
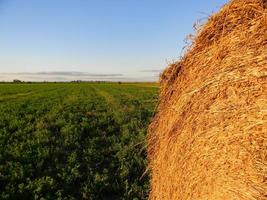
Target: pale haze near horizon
x,y
118,40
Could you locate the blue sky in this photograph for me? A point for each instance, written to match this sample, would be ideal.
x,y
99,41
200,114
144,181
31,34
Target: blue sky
x,y
95,39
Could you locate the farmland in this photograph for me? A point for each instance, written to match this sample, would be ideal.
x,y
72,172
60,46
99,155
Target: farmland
x,y
74,141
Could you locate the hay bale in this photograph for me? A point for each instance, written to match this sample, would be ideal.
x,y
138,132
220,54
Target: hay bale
x,y
208,139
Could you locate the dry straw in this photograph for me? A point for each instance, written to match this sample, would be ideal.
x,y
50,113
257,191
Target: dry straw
x,y
208,140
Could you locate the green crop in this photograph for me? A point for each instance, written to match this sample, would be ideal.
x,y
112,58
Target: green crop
x,y
74,141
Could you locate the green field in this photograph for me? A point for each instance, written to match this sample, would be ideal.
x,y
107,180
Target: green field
x,y
74,141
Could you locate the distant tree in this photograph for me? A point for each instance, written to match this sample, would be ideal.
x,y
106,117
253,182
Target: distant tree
x,y
17,81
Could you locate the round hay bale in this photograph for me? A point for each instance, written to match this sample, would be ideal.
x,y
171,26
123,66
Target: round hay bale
x,y
208,140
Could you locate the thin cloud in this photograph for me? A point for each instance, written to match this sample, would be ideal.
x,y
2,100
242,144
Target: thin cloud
x,y
63,73
40,78
152,71
73,75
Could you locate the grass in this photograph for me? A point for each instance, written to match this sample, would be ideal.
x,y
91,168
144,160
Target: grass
x,y
74,141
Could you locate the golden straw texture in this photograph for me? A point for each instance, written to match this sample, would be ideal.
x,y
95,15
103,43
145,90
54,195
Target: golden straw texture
x,y
208,140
